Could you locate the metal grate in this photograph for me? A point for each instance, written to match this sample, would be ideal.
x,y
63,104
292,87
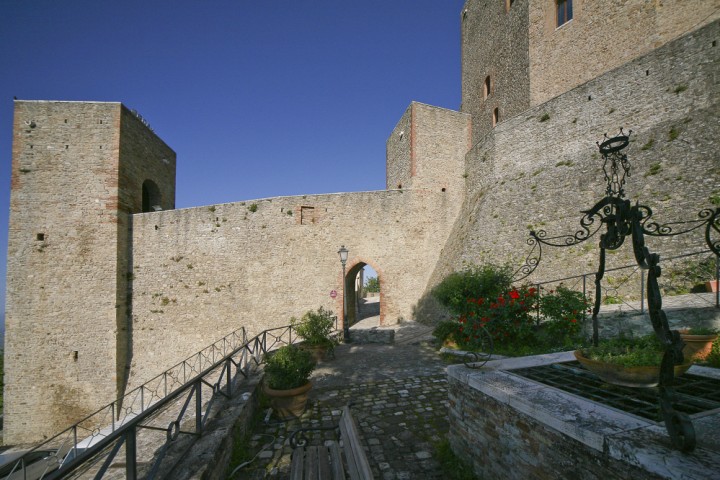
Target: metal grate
x,y
694,394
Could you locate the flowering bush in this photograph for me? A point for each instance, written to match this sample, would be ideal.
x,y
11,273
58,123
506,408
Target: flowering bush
x,y
562,311
507,318
474,281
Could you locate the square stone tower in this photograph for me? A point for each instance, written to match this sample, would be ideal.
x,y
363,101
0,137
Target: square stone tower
x,y
79,170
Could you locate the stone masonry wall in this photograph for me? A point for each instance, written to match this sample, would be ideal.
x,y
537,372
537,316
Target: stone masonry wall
x,y
539,169
203,272
504,443
494,44
143,156
60,312
77,173
562,58
398,153
426,150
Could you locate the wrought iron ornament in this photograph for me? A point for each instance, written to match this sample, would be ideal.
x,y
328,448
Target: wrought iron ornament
x,y
621,219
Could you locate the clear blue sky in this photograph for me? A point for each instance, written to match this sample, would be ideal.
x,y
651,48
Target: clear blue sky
x,y
258,99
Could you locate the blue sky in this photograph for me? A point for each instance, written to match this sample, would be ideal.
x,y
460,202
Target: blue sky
x,y
258,99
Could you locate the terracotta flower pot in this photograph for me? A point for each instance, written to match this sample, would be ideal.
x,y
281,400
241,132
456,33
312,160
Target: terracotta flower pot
x,y
697,347
627,376
288,404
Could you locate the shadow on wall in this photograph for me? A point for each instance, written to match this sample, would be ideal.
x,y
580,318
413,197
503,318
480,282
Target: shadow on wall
x,y
429,311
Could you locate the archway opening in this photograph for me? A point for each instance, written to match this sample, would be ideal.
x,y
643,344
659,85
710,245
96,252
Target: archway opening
x,y
363,288
151,198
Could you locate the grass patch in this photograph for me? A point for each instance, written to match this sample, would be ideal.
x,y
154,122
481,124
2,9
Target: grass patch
x,y
673,134
545,117
648,145
655,168
453,467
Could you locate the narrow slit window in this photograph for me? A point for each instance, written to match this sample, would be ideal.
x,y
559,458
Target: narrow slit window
x,y
495,116
486,88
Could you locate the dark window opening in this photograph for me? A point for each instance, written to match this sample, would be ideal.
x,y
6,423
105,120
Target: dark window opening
x,y
564,11
151,198
486,87
40,237
495,116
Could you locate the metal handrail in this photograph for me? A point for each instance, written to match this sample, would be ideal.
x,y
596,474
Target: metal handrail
x,y
584,278
156,397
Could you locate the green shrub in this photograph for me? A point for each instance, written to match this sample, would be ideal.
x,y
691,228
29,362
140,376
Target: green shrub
x,y
713,358
288,367
446,330
562,311
628,351
473,282
315,327
372,285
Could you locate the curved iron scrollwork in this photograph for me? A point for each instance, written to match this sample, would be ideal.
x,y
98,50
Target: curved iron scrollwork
x,y
622,220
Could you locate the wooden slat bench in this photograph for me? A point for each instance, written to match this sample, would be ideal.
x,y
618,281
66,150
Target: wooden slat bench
x,y
326,461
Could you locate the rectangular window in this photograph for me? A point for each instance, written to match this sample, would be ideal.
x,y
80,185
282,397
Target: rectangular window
x,y
564,11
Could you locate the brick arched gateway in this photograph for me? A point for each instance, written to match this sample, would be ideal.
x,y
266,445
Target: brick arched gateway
x,y
354,267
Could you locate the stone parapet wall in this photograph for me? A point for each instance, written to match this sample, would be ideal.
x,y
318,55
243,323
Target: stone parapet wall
x,y
510,427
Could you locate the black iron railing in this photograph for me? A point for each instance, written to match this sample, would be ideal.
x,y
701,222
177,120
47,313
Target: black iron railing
x,y
629,289
177,404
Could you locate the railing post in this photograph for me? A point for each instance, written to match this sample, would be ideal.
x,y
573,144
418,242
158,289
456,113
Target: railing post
x,y
584,296
198,407
229,364
130,455
142,398
717,281
112,413
537,307
642,291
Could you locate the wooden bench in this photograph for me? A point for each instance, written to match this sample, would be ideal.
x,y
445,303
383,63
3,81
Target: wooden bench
x,y
326,461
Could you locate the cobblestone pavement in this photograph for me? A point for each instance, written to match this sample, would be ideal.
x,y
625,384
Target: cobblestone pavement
x,y
399,401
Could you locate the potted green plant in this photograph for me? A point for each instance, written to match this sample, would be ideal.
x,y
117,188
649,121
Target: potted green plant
x,y
287,380
698,342
627,361
315,327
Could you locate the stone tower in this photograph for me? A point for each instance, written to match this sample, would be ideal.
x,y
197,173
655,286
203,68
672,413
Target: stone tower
x,y
79,170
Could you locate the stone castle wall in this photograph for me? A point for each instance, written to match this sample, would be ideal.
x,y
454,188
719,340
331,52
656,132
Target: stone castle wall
x,y
66,299
564,57
102,297
539,169
529,59
202,272
494,45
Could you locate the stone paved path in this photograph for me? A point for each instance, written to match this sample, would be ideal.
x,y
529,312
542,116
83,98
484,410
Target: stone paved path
x,y
399,401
